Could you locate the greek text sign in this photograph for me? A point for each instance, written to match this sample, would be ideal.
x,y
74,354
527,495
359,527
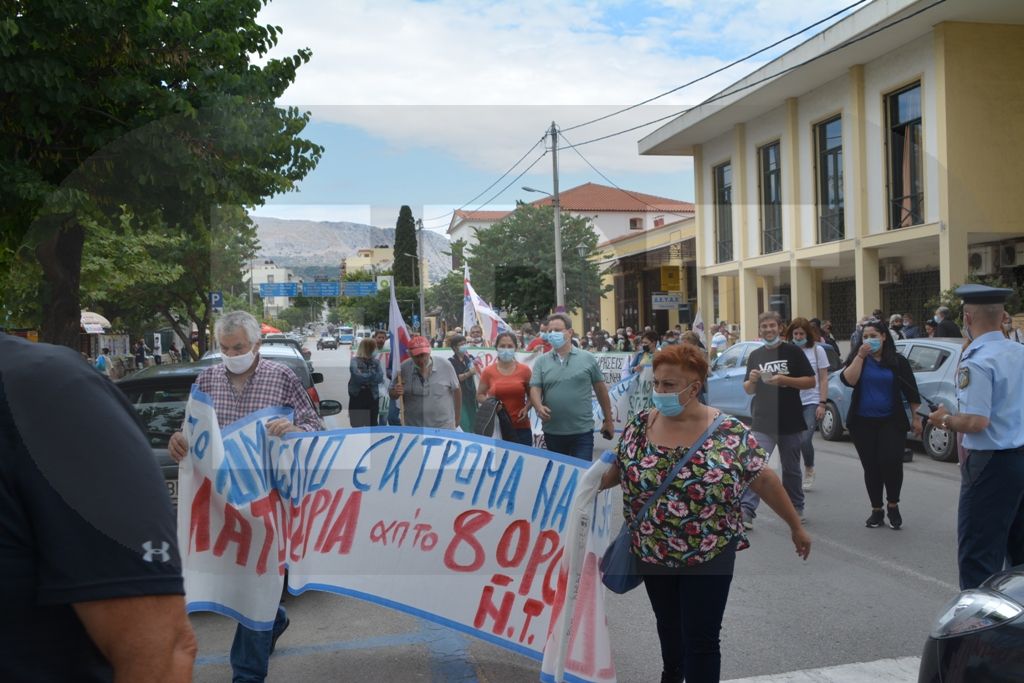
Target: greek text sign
x,y
381,513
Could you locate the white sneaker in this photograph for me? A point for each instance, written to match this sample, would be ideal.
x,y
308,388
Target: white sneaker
x,y
808,479
748,521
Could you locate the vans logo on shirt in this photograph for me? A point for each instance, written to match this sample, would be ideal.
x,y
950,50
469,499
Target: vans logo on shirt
x,y
163,551
777,367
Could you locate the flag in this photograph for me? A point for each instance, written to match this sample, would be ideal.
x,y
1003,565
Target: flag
x,y
469,317
400,336
698,324
486,317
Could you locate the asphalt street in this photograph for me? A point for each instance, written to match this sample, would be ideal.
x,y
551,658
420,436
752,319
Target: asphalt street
x,y
864,595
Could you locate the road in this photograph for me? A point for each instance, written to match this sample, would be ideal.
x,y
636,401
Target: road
x,y
864,595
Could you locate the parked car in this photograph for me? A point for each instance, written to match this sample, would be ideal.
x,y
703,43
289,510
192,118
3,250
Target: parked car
x,y
159,394
934,363
327,342
979,635
286,340
725,379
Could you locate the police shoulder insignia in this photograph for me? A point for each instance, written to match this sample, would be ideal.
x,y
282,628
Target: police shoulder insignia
x,y
963,377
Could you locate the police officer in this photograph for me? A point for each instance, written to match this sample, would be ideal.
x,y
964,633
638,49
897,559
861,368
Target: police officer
x,y
990,394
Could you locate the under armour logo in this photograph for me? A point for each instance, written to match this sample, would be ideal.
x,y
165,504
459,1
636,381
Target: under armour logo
x,y
165,556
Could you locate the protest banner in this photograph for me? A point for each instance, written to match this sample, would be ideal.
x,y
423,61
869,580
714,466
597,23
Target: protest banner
x,y
381,513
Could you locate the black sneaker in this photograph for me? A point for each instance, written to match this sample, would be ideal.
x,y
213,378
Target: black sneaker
x,y
876,519
895,518
278,634
674,676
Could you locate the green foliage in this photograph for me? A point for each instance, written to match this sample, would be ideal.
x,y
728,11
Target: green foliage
x,y
295,316
362,276
513,265
445,298
405,243
949,298
147,106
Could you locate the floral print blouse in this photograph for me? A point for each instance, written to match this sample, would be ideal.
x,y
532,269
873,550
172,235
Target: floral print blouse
x,y
699,513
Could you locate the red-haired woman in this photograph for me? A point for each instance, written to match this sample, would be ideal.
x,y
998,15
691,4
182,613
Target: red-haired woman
x,y
803,334
687,542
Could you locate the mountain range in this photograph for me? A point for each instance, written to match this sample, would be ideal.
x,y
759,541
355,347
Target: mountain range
x,y
323,244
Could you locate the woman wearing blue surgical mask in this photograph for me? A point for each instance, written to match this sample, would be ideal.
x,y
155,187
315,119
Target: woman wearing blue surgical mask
x,y
801,333
508,380
687,542
881,379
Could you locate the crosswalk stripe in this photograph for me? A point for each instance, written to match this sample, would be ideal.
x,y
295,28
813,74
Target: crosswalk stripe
x,y
897,670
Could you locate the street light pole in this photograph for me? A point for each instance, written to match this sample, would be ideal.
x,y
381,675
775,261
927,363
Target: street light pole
x,y
582,249
559,273
419,249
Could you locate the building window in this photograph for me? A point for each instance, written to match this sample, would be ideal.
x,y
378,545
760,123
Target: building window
x,y
906,190
636,223
270,277
659,221
771,198
723,212
828,138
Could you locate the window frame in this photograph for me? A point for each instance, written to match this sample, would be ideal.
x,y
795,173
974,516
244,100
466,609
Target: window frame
x,y
771,207
907,209
831,216
722,191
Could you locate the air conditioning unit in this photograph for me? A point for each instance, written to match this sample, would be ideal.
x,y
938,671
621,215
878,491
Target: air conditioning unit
x,y
889,273
982,260
1012,255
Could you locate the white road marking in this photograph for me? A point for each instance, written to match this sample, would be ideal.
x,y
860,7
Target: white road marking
x,y
899,670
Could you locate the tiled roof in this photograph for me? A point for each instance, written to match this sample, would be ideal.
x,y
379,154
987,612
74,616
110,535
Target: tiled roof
x,y
593,197
481,215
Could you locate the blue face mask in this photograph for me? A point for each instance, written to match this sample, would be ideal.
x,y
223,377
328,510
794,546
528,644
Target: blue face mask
x,y
669,404
506,354
800,342
556,339
874,344
773,343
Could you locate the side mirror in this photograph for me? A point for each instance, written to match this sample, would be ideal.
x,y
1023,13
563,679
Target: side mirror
x,y
329,407
317,377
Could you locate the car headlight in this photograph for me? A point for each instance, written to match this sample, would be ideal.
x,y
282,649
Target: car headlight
x,y
974,610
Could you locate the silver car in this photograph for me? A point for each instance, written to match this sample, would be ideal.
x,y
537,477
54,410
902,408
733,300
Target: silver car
x,y
934,363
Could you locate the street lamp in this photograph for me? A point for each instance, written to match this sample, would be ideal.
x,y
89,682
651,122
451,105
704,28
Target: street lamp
x,y
559,274
582,249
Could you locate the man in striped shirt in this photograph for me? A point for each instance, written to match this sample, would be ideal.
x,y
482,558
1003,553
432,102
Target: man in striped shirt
x,y
242,384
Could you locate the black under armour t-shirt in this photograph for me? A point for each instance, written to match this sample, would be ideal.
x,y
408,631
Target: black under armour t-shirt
x,y
777,410
84,512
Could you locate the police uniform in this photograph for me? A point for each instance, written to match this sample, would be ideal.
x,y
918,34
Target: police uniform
x,y
990,520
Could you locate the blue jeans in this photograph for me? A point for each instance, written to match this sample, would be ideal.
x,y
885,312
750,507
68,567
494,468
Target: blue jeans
x,y
250,651
807,438
394,414
990,520
524,436
576,445
792,477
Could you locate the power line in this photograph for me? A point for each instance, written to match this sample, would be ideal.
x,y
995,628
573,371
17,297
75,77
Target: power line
x,y
728,93
514,180
486,189
616,186
720,69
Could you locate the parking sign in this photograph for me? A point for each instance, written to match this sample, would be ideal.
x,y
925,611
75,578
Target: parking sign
x,y
217,301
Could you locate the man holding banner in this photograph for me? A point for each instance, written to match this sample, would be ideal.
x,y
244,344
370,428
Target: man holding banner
x,y
430,392
243,384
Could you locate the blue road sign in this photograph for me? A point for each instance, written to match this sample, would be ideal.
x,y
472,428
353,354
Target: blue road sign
x,y
217,301
415,320
360,288
279,289
320,289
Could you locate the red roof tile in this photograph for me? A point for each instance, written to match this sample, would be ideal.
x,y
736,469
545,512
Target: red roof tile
x,y
481,215
593,197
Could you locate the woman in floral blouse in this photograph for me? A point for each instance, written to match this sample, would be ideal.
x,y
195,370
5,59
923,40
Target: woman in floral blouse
x,y
687,546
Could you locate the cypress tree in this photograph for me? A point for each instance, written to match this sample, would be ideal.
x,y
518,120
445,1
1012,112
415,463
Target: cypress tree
x,y
405,243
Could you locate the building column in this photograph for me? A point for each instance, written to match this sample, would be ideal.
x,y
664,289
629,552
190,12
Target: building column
x,y
803,290
952,256
728,299
767,286
706,303
608,302
747,283
865,268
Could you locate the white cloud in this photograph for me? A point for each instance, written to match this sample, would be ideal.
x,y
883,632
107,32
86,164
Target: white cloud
x,y
484,79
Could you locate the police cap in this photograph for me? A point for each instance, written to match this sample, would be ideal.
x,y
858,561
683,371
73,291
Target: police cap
x,y
983,294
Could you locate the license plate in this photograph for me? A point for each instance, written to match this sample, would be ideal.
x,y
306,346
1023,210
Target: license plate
x,y
172,489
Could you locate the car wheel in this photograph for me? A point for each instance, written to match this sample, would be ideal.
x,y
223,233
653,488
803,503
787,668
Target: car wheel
x,y
939,444
831,423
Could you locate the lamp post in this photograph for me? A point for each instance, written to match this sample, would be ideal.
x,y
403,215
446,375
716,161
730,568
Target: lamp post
x,y
582,249
559,273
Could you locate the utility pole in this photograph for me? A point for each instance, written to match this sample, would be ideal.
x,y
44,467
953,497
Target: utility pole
x,y
559,274
419,252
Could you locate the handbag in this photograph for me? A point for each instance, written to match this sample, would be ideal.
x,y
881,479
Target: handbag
x,y
619,570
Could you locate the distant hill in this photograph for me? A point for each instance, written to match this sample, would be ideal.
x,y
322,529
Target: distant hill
x,y
319,246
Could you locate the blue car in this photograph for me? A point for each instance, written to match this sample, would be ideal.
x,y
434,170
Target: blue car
x,y
934,363
725,381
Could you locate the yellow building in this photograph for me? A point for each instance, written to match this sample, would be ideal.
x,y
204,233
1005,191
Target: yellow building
x,y
873,166
370,260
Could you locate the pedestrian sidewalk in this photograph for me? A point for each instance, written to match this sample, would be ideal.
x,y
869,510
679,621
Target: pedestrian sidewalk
x,y
900,670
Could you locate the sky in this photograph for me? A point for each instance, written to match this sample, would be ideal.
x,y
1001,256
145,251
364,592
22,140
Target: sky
x,y
428,103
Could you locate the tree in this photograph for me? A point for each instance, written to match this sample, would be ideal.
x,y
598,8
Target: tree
x,y
405,244
513,265
152,105
445,298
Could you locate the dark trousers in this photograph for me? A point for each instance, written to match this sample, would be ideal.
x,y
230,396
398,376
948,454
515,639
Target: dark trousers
x,y
576,445
250,650
363,409
688,609
879,443
990,520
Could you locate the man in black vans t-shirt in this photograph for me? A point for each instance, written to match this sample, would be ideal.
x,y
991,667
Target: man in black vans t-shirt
x,y
776,373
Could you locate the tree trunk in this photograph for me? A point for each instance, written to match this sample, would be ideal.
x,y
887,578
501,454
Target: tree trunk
x,y
60,256
180,331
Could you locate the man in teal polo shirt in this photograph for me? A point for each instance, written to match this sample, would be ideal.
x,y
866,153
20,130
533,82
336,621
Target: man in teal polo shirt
x,y
560,392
